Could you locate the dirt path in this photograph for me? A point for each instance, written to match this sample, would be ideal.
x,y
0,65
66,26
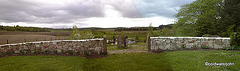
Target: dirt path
x,y
131,50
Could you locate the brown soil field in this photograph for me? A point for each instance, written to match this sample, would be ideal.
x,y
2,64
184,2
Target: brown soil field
x,y
35,33
18,37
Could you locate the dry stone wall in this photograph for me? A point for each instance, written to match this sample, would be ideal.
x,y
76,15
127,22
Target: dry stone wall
x,y
175,43
65,47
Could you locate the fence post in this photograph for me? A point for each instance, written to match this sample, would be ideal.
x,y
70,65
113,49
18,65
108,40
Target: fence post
x,y
148,43
126,41
119,42
114,39
7,41
104,44
24,40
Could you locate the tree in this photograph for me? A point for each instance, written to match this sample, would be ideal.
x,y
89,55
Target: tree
x,y
17,27
230,18
1,27
150,29
198,18
76,34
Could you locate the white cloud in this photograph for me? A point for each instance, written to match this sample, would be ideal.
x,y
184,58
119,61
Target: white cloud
x,y
127,22
110,12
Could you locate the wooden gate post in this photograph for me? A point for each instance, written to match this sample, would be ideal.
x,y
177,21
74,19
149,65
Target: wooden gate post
x,y
148,43
119,42
104,44
125,41
114,39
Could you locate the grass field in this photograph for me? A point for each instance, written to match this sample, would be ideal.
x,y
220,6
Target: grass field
x,y
18,37
166,61
54,33
27,38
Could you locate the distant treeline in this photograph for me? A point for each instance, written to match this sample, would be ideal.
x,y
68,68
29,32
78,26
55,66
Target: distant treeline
x,y
165,26
143,28
20,28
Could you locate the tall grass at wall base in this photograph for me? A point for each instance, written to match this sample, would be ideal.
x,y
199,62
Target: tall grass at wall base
x,y
232,48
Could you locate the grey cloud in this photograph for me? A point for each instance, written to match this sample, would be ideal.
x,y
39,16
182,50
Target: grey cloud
x,y
30,11
34,12
126,8
85,10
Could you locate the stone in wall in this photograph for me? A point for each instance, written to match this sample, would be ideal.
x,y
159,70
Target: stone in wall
x,y
211,43
226,42
218,43
180,43
173,43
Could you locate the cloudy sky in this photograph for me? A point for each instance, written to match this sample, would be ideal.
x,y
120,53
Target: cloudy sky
x,y
88,13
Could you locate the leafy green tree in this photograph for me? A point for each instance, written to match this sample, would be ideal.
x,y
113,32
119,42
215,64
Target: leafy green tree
x,y
17,27
167,32
230,18
235,36
1,27
76,34
198,18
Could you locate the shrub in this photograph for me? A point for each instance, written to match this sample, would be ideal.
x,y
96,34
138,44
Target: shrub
x,y
183,46
209,35
62,51
55,52
194,47
37,52
150,29
204,46
137,38
235,39
78,53
235,36
47,52
86,52
70,52
22,52
10,52
232,48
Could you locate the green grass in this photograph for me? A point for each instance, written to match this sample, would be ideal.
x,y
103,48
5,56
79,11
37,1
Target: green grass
x,y
129,62
112,47
126,62
41,63
139,45
195,60
173,60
